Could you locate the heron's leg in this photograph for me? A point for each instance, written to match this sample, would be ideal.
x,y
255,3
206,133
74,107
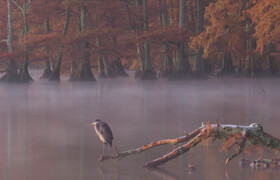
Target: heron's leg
x,y
108,149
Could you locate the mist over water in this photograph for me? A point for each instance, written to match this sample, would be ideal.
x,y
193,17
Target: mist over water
x,y
44,133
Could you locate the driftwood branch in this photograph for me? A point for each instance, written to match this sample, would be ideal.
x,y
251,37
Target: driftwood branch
x,y
176,152
240,135
151,145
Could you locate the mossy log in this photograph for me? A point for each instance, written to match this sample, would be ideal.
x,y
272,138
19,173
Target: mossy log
x,y
238,135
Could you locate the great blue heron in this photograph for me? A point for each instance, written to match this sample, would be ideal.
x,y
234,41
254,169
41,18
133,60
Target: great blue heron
x,y
104,132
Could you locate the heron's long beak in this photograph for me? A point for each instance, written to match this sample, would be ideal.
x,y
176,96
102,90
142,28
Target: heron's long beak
x,y
93,123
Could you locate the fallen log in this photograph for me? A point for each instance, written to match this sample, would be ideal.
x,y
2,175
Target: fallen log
x,y
230,135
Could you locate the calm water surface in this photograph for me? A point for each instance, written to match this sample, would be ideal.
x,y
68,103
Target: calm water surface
x,y
44,133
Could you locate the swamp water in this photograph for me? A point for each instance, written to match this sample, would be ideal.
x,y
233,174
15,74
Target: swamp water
x,y
44,133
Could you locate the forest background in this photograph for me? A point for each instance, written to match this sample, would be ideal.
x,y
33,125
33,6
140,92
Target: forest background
x,y
173,39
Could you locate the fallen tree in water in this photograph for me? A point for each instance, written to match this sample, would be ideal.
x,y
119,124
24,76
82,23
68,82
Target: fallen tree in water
x,y
230,135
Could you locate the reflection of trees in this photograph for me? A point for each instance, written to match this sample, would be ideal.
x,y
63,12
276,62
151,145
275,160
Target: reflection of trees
x,y
163,173
9,142
17,143
115,173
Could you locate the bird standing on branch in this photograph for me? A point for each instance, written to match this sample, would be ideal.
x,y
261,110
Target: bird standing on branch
x,y
104,132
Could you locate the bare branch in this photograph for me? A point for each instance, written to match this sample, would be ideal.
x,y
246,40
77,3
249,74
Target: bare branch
x,y
28,6
18,6
4,40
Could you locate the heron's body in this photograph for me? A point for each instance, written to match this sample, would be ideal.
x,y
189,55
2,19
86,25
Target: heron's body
x,y
104,132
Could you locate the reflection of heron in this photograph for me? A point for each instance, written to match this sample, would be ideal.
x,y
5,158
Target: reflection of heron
x,y
104,132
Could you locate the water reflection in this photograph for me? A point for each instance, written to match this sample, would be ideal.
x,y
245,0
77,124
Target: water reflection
x,y
161,173
43,131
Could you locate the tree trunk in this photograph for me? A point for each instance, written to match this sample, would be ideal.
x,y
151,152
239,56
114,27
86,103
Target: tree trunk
x,y
249,62
199,64
148,73
171,12
47,71
164,13
84,72
101,69
140,57
24,75
182,14
270,68
167,65
182,62
73,69
10,27
12,75
101,66
180,46
115,67
140,53
118,68
227,67
108,69
55,76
